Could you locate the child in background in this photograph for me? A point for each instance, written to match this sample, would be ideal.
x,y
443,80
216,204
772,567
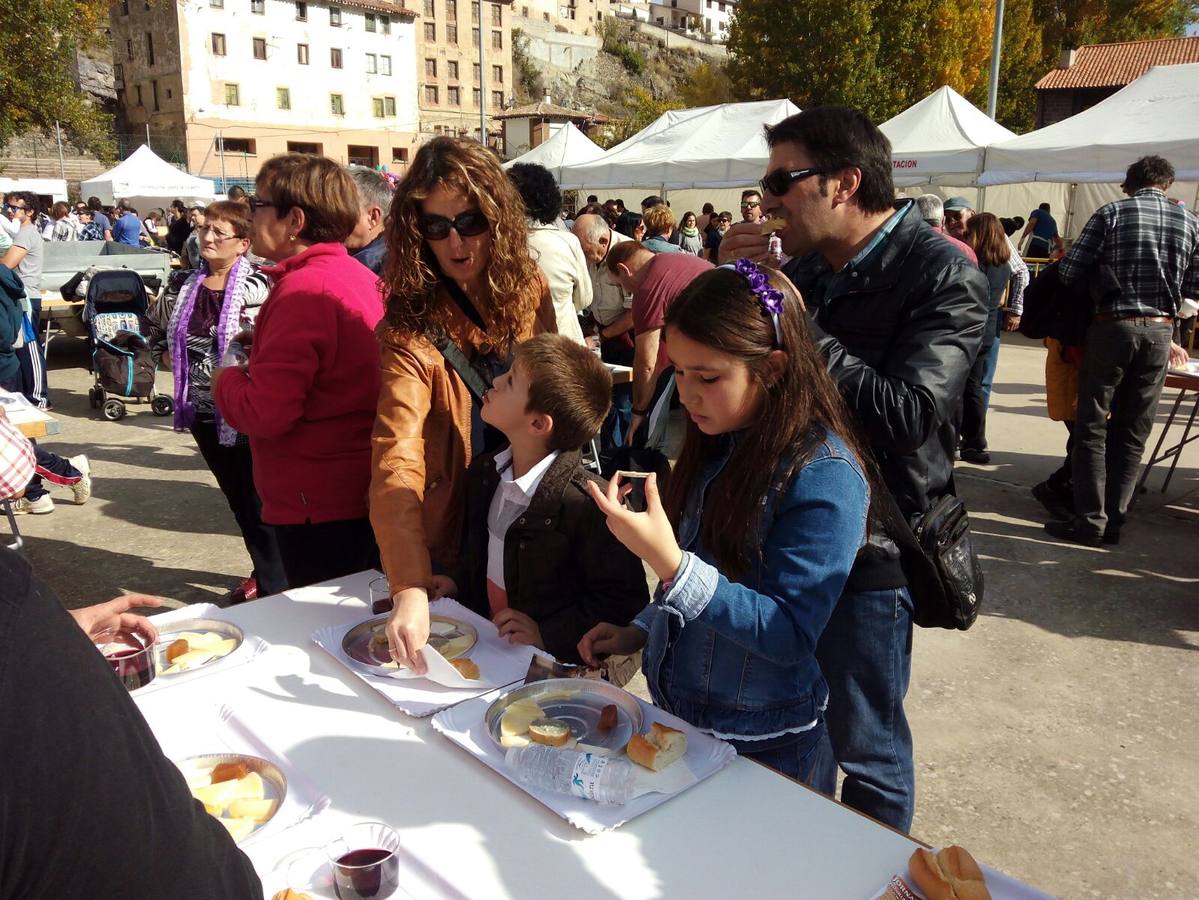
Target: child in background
x,y
537,557
769,502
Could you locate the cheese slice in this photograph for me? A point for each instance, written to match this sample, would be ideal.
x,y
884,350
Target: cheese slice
x,y
519,716
258,810
225,792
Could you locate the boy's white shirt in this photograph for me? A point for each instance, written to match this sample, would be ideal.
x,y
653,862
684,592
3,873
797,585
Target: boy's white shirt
x,y
511,498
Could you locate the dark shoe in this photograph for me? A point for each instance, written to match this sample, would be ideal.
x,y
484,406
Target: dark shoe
x,y
1111,534
1068,531
1059,503
978,457
244,592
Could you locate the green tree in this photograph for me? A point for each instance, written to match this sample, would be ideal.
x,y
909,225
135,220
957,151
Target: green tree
x,y
641,109
37,42
707,84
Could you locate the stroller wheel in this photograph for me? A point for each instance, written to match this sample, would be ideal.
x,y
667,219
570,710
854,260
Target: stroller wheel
x,y
162,405
93,398
113,410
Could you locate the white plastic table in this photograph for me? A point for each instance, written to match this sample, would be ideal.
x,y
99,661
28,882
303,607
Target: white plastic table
x,y
467,833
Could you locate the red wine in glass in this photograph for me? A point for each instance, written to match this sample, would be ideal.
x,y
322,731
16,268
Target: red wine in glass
x,y
135,665
367,873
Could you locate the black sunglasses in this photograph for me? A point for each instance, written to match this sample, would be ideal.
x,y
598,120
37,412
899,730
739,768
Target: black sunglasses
x,y
467,224
256,204
778,182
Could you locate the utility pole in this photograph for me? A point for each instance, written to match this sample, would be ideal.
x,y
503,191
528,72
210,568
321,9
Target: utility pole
x,y
62,169
148,135
482,79
996,48
220,137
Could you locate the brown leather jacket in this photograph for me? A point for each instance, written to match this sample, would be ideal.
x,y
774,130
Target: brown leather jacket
x,y
420,450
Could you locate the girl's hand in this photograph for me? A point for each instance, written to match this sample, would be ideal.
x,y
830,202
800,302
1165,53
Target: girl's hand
x,y
518,628
610,640
408,629
646,534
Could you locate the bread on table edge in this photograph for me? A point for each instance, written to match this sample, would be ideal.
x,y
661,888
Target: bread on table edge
x,y
657,749
289,894
951,874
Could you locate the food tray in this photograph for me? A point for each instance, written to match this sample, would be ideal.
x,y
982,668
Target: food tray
x,y
274,782
455,640
166,635
578,702
167,623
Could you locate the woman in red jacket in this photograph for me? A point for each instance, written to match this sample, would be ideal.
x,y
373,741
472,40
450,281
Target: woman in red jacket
x,y
307,397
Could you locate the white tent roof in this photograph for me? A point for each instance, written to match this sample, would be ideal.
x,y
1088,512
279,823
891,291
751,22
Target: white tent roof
x,y
145,175
568,146
940,140
710,147
1156,114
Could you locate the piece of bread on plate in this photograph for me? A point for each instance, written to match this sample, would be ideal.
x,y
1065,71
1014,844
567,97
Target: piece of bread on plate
x,y
950,874
551,732
657,748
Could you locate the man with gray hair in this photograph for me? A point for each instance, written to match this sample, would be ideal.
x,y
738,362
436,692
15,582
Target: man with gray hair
x,y
932,210
366,242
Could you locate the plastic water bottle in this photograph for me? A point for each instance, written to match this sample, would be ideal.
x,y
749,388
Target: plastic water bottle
x,y
591,776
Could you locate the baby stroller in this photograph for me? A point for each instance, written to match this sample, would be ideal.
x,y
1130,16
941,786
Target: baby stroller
x,y
114,311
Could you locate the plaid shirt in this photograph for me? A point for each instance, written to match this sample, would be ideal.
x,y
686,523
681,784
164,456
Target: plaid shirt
x,y
16,460
1152,246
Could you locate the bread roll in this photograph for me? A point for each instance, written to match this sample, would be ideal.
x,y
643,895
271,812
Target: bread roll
x,y
551,732
466,668
951,874
770,226
289,894
657,749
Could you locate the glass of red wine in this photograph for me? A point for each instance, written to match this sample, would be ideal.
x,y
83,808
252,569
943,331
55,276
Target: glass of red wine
x,y
364,862
381,601
131,655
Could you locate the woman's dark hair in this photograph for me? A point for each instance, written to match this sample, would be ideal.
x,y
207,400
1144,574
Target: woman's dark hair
x,y
628,222
685,215
985,236
543,200
836,138
709,209
1149,171
802,406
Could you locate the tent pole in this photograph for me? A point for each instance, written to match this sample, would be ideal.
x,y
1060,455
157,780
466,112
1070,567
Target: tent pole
x,y
1070,213
62,169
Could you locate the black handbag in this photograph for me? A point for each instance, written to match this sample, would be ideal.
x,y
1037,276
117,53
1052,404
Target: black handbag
x,y
944,574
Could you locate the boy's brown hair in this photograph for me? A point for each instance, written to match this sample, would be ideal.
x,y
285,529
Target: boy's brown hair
x,y
568,383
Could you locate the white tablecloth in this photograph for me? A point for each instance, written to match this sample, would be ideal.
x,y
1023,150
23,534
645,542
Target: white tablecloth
x,y
467,832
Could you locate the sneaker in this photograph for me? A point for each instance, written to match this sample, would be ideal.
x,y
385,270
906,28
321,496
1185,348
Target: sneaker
x,y
978,457
1069,531
39,507
82,489
1111,534
244,592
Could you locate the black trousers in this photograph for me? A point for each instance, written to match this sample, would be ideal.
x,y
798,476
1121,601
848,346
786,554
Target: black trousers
x,y
972,434
319,551
233,468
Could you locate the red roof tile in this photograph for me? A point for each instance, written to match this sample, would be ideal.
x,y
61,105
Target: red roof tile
x,y
543,110
383,6
1115,65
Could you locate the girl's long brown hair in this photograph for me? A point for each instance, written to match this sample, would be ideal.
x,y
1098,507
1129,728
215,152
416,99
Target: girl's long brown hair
x,y
412,273
802,406
985,235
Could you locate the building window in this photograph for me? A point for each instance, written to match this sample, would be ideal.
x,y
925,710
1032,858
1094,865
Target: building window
x,y
452,69
283,98
452,96
429,8
302,54
149,48
301,11
384,64
118,73
260,48
451,35
451,9
232,97
385,24
431,68
524,11
335,16
218,44
140,102
384,107
474,12
399,155
368,22
154,93
129,49
237,145
304,147
497,74
497,99
124,7
477,72
476,97
217,4
474,37
497,40
372,64
335,57
363,156
258,7
496,12
430,93
431,32
337,105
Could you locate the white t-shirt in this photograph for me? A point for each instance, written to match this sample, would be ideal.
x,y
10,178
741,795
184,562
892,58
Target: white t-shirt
x,y
511,498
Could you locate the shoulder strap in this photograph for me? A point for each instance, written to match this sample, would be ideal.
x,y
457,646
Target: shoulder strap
x,y
457,360
459,297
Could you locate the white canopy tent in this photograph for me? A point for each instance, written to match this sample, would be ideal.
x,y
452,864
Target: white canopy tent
x,y
711,147
146,180
1156,114
941,140
568,146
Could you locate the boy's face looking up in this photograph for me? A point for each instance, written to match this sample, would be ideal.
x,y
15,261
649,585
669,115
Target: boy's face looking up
x,y
506,407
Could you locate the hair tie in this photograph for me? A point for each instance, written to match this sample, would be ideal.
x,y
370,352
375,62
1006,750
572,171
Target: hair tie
x,y
769,298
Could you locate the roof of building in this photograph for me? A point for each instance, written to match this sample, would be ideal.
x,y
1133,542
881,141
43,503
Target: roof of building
x,y
1115,65
382,6
544,110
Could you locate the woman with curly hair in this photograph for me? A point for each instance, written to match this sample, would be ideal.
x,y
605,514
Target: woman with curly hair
x,y
464,291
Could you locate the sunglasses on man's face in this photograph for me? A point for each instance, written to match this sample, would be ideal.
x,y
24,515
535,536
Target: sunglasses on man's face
x,y
467,224
778,182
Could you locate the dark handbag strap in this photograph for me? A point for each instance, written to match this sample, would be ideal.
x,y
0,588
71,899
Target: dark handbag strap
x,y
458,361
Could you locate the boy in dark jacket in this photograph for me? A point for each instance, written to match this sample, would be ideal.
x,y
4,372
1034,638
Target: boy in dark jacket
x,y
537,556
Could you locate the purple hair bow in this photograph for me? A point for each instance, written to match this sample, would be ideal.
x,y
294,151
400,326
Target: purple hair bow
x,y
770,299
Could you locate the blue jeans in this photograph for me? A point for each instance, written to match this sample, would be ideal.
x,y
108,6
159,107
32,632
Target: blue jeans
x,y
615,427
989,372
806,757
865,654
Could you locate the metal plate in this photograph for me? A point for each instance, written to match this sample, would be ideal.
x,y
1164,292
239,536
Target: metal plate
x,y
274,782
577,702
167,636
452,638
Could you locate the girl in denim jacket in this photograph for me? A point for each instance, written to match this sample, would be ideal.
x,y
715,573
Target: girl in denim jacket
x,y
761,521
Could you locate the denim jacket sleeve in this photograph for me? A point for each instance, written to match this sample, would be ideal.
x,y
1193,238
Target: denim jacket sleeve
x,y
807,554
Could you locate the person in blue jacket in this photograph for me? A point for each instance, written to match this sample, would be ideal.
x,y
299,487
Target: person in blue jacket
x,y
758,530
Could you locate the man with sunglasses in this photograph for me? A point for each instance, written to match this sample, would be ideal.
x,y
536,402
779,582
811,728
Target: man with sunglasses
x,y
25,258
751,213
899,315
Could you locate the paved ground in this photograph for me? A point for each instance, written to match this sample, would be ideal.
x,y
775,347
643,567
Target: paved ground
x,y
1055,739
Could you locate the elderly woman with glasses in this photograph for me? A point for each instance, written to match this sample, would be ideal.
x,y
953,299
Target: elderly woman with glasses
x,y
464,290
306,398
192,329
